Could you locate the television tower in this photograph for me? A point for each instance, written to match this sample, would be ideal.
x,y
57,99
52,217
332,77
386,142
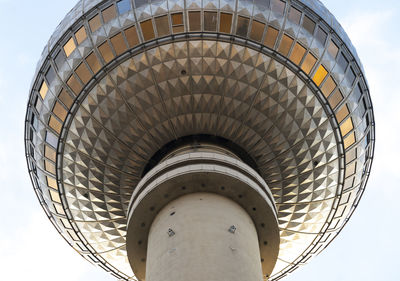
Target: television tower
x,y
199,140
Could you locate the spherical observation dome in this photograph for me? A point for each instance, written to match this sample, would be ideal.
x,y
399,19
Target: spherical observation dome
x,y
122,83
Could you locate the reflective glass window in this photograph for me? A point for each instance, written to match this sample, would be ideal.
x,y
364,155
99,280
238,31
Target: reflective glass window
x,y
177,23
297,53
131,36
321,35
333,49
139,3
257,30
51,182
83,73
60,59
242,26
74,84
308,24
346,126
162,26
51,139
351,155
147,30
43,89
177,19
49,167
60,111
55,124
335,99
109,13
342,61
118,43
194,21
308,63
123,6
50,153
225,23
349,140
69,47
50,75
294,15
65,98
350,169
285,45
278,6
93,62
342,113
80,35
270,37
328,86
105,51
94,23
351,76
320,75
210,21
55,196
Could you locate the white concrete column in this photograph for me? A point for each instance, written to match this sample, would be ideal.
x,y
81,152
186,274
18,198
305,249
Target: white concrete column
x,y
203,237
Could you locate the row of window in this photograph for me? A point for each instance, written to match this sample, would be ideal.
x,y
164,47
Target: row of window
x,y
194,21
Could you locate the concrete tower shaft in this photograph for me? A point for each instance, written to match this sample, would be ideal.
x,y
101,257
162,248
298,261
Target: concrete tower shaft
x,y
202,214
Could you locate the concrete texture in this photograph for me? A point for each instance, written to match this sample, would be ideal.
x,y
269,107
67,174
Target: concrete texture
x,y
203,236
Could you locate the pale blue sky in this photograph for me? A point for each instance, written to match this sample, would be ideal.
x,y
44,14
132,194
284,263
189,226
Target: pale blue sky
x,y
368,247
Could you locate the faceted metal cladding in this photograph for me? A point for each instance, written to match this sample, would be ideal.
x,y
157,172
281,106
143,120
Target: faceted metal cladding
x,y
120,79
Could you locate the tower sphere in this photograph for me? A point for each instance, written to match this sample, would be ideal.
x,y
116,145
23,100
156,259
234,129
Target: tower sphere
x,y
270,90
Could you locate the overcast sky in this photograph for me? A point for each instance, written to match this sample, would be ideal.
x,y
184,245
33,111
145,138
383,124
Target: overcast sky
x,y
368,247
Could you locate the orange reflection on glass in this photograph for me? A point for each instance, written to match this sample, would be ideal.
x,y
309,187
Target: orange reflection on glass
x,y
65,98
162,25
320,75
109,14
93,62
105,51
83,73
257,30
50,153
147,30
74,84
297,53
80,35
225,23
349,140
346,126
95,23
210,21
118,43
333,49
285,45
55,196
131,36
51,182
60,111
270,37
194,21
308,63
55,124
43,90
69,47
342,113
335,99
328,87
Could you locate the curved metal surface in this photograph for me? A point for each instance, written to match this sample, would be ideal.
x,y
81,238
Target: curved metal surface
x,y
97,114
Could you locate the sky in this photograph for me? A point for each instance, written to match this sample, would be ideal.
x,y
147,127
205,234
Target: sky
x,y
368,247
